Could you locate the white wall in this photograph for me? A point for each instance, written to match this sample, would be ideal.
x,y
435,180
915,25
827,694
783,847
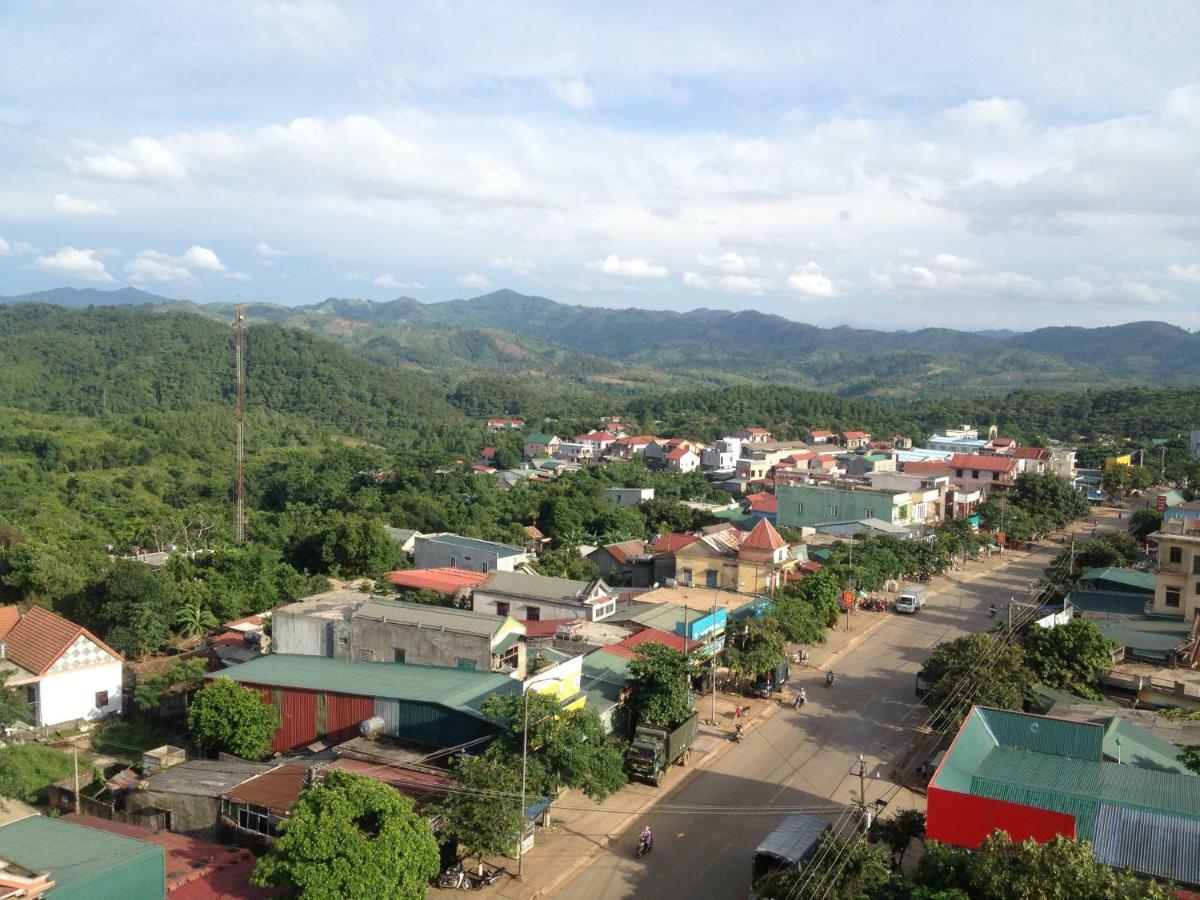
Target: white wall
x,y
71,694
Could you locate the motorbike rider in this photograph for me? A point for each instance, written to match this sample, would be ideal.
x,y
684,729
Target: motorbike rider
x,y
737,732
992,610
829,677
647,838
801,698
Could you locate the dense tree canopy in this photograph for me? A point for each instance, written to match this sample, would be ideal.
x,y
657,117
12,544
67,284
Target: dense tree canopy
x,y
229,718
660,679
351,836
977,669
1069,657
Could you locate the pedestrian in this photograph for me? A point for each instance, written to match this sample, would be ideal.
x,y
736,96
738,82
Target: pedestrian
x,y
923,771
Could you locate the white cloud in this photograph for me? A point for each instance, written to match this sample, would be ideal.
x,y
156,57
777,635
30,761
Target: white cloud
x,y
4,248
513,264
909,253
142,159
1008,117
809,279
74,264
730,284
635,267
474,281
731,262
388,280
266,251
154,265
75,206
197,257
960,264
574,93
1138,292
151,265
1190,273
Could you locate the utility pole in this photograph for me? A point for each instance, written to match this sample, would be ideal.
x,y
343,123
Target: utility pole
x,y
75,763
1010,606
712,662
239,328
862,792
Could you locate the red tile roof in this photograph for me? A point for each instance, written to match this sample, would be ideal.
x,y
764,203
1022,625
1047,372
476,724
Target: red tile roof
x,y
656,636
855,435
596,437
1002,442
670,543
533,533
618,650
757,431
636,440
195,869
9,616
488,451
763,536
541,628
623,551
447,580
820,432
1030,453
37,641
678,453
982,463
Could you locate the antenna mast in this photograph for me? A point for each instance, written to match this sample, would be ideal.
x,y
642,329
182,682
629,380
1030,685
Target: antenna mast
x,y
239,327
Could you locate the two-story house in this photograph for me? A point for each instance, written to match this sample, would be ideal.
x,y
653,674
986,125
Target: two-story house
x,y
730,559
819,436
852,440
599,440
446,550
683,460
722,456
630,446
496,425
574,451
1035,460
753,435
541,445
983,473
809,505
533,598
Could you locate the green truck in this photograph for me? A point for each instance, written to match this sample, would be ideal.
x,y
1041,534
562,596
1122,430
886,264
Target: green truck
x,y
655,749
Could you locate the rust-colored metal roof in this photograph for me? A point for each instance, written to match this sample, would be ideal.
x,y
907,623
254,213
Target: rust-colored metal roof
x,y
622,551
656,636
37,641
983,463
276,790
670,543
446,579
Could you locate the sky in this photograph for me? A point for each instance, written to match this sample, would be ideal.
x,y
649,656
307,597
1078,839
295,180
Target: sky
x,y
895,165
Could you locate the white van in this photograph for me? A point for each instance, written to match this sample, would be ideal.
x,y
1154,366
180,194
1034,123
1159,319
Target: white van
x,y
912,600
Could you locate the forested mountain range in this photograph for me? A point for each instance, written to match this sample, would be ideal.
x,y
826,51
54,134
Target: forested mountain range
x,y
628,351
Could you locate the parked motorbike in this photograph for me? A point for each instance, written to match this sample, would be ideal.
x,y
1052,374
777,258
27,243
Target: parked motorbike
x,y
491,874
454,878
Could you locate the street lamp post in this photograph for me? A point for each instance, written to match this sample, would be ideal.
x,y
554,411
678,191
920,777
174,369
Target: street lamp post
x,y
524,772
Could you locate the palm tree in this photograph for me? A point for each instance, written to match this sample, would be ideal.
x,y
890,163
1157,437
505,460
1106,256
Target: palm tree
x,y
195,619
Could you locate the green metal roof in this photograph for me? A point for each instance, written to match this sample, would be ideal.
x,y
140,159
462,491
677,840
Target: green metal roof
x,y
607,667
85,861
509,641
538,438
1138,747
541,587
1059,737
1121,603
1149,638
1129,578
453,688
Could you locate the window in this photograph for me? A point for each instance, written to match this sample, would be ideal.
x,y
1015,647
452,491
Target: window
x,y
533,614
101,699
501,608
833,510
799,507
366,655
958,473
710,579
467,665
485,568
685,577
1176,554
995,476
974,473
1196,564
453,562
251,817
398,654
1172,597
870,513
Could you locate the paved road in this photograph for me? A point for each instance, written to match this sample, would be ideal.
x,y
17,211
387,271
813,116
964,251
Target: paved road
x,y
802,760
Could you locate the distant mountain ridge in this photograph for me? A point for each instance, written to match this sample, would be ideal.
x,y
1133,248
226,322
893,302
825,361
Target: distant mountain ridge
x,y
635,349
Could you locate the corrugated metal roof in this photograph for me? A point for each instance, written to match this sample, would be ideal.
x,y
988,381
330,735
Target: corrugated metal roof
x,y
1043,734
1150,843
1150,638
206,777
277,790
794,838
438,618
73,853
1121,603
1142,581
454,688
502,551
1136,746
446,579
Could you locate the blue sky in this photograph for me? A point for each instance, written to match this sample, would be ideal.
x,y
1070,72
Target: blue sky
x,y
890,164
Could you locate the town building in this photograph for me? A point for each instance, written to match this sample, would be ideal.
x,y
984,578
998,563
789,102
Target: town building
x,y
723,455
930,504
191,791
1037,777
535,597
810,505
819,436
456,584
47,857
983,473
436,551
753,435
599,441
576,452
619,560
682,460
419,634
495,425
63,671
541,445
631,496
327,699
730,559
852,440
1177,583
630,446
1034,460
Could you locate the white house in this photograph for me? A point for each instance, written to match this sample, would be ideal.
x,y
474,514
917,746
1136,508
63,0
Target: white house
x,y
574,451
65,672
723,455
681,459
